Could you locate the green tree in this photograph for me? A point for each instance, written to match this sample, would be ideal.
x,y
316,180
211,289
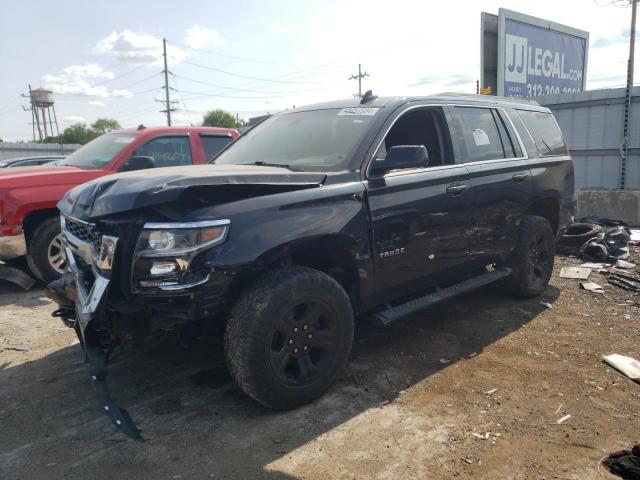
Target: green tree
x,y
220,118
78,133
104,125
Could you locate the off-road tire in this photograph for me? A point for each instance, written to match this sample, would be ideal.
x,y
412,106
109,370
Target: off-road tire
x,y
523,282
37,250
249,334
577,234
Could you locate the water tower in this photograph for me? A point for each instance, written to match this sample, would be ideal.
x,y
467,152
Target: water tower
x,y
41,107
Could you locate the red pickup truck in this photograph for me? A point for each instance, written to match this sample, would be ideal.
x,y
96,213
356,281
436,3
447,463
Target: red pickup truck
x,y
28,195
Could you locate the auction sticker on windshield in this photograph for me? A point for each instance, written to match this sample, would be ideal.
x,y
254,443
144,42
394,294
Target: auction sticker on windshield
x,y
366,111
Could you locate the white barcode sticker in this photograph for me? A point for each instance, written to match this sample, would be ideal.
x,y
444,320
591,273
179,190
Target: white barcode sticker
x,y
365,111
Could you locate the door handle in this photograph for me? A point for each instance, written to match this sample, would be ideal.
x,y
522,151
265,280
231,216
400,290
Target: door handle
x,y
520,177
456,189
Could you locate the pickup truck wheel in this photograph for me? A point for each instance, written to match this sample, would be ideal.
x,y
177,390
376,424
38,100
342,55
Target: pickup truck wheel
x,y
532,260
289,336
45,252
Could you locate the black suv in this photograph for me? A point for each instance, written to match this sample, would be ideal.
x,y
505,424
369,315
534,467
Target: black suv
x,y
314,217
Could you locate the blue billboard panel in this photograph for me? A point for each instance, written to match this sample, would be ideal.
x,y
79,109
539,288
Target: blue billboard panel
x,y
540,61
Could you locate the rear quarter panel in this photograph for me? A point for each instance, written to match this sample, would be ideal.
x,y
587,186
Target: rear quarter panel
x,y
553,177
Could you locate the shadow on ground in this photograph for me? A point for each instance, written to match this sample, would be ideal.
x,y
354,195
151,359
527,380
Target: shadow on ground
x,y
197,424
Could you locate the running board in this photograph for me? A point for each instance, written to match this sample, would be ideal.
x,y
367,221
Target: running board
x,y
392,314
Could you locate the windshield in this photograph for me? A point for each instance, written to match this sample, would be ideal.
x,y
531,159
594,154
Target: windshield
x,y
97,153
312,140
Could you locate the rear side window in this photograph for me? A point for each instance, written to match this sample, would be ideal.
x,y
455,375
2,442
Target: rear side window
x,y
482,135
167,151
524,134
545,132
213,144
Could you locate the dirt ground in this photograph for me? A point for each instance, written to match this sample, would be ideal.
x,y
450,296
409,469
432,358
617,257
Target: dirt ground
x,y
470,389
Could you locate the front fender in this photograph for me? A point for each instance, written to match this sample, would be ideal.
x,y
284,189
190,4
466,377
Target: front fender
x,y
326,217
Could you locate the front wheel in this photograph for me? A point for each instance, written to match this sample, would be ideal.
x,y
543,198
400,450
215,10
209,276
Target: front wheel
x,y
45,252
289,336
532,260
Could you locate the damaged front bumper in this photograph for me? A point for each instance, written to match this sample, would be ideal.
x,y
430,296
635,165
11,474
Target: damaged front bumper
x,y
81,295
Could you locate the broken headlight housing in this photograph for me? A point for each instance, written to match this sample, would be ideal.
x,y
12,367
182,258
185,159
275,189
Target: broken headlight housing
x,y
165,252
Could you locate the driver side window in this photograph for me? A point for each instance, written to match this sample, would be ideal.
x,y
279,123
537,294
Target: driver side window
x,y
167,151
421,126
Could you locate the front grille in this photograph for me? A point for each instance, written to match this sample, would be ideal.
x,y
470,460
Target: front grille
x,y
86,232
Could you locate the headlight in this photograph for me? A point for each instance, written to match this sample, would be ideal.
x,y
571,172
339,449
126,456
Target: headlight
x,y
168,239
165,250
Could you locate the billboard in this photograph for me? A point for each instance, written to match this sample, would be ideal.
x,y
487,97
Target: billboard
x,y
524,56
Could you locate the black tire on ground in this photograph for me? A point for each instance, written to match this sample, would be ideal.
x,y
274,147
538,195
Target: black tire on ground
x,y
532,260
577,234
45,240
289,336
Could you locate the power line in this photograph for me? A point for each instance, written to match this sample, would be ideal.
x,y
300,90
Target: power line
x,y
8,103
272,80
186,109
136,106
232,57
334,65
137,82
13,109
139,92
117,77
214,94
236,89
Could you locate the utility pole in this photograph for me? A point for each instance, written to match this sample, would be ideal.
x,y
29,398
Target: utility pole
x,y
167,100
360,76
624,150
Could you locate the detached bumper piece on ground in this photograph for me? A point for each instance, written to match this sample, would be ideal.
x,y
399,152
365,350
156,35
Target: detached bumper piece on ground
x,y
120,417
61,291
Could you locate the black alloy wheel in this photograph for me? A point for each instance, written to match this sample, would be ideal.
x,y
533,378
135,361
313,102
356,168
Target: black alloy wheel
x,y
540,257
304,342
531,261
289,336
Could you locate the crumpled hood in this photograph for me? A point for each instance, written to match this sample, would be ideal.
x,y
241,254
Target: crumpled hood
x,y
145,188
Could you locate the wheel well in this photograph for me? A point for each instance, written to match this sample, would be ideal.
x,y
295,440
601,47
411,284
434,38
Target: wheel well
x,y
333,259
332,256
33,219
548,208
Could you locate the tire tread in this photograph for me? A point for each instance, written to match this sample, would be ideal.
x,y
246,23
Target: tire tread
x,y
242,326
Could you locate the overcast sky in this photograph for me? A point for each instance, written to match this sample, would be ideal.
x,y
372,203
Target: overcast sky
x,y
103,58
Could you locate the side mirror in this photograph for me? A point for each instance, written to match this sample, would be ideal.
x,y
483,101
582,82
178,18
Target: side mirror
x,y
138,163
403,156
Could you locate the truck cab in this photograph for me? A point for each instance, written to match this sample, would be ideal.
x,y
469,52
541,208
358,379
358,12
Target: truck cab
x,y
28,196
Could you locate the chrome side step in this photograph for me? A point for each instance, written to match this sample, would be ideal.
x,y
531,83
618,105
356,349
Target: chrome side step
x,y
392,314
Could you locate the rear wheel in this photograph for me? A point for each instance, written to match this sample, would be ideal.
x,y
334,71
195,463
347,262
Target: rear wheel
x,y
289,336
45,252
532,260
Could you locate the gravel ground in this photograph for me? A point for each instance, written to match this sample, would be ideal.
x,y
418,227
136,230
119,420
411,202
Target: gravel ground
x,y
470,389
